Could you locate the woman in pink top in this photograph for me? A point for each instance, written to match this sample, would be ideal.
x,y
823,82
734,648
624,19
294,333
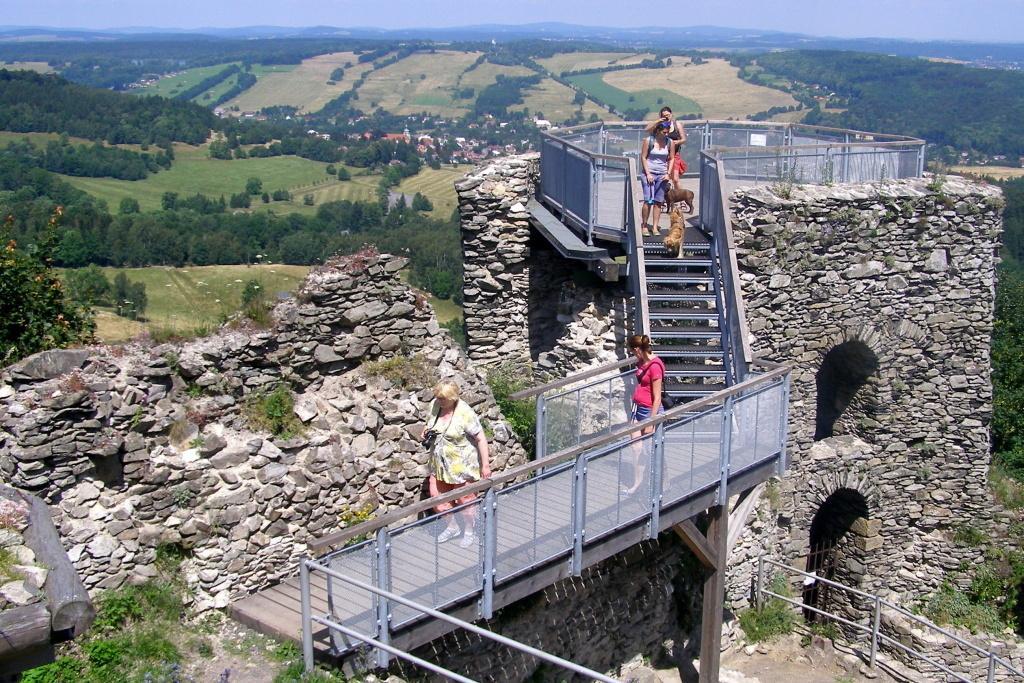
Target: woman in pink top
x,y
650,379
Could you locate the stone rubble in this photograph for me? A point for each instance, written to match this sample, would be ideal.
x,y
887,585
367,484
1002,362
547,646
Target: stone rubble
x,y
140,446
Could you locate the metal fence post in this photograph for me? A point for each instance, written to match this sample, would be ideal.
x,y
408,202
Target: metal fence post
x,y
307,617
784,427
383,549
593,202
539,431
875,625
490,552
759,582
725,452
657,464
579,513
991,677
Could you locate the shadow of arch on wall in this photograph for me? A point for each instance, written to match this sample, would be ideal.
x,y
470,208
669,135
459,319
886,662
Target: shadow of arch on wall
x,y
844,370
835,552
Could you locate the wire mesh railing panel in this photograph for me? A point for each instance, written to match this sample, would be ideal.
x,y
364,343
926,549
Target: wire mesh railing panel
x,y
577,414
577,186
610,188
756,427
692,453
534,522
552,171
618,490
346,603
433,573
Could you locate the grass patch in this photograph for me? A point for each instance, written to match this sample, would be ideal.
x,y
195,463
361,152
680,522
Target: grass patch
x,y
422,82
129,641
652,99
274,411
1007,490
7,562
194,301
193,171
169,86
304,86
773,619
949,605
521,415
409,372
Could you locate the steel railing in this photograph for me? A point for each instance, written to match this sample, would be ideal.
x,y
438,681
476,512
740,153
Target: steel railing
x,y
549,510
872,628
716,222
385,651
584,168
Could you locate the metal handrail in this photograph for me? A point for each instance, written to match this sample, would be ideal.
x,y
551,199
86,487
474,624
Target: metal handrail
x,y
571,379
723,234
876,635
308,565
371,526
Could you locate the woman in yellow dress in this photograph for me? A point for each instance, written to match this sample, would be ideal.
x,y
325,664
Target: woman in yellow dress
x,y
459,456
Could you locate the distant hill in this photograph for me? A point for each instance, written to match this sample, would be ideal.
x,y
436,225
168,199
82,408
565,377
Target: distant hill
x,y
647,36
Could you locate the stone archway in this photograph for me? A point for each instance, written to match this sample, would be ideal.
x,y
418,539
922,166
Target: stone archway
x,y
843,371
841,535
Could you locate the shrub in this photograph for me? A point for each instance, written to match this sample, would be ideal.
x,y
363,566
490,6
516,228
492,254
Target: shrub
x,y
34,313
274,411
521,415
772,619
950,605
409,372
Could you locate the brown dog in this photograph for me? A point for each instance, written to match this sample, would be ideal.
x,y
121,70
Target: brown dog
x,y
679,195
674,238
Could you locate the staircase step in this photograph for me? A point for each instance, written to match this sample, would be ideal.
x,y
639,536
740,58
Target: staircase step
x,y
682,314
686,333
678,262
669,351
681,297
680,278
691,390
694,370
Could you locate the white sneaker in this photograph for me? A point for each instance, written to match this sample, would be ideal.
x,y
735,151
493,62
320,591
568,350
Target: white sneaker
x,y
448,534
468,540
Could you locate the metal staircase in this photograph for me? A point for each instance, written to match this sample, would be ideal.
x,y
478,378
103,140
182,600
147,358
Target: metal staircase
x,y
683,304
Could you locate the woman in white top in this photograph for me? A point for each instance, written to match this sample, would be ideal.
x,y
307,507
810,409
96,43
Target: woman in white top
x,y
656,159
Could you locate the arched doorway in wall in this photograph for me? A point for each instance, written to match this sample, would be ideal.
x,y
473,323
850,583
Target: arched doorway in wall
x,y
834,552
844,370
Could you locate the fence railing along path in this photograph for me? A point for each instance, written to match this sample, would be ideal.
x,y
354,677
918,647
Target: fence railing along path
x,y
868,629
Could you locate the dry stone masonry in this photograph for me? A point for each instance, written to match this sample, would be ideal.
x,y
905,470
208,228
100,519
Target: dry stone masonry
x,y
524,304
140,446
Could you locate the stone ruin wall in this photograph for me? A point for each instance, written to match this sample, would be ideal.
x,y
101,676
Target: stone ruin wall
x,y
139,446
524,304
909,272
906,270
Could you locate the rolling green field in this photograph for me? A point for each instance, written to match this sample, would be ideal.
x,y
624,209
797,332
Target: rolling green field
x,y
422,82
186,299
437,186
194,171
169,86
38,67
40,139
304,86
555,102
594,84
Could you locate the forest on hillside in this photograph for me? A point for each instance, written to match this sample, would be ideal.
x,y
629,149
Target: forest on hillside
x,y
946,104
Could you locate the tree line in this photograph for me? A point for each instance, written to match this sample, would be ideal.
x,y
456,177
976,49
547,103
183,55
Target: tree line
x,y
93,161
946,104
32,102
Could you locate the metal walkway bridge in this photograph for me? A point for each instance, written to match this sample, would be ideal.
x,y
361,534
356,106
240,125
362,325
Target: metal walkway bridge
x,y
389,583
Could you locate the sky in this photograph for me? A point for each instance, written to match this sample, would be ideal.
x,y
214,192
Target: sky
x,y
976,20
